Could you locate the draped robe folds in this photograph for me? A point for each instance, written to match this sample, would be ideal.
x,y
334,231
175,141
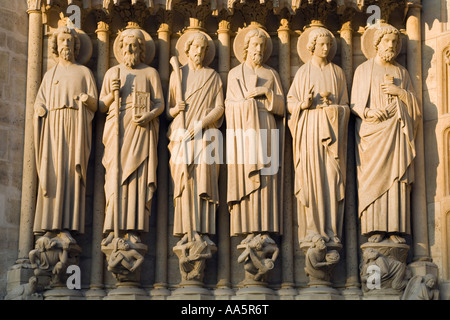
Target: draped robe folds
x,y
202,92
62,147
384,151
319,149
254,193
137,146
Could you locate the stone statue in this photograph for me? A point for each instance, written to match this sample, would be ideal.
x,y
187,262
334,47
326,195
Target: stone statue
x,y
123,260
133,91
254,113
317,102
259,256
192,255
319,261
253,107
388,114
390,273
421,288
141,102
195,102
64,108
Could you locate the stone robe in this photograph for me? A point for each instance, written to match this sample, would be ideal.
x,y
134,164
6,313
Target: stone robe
x,y
202,92
253,192
384,151
319,149
62,146
138,149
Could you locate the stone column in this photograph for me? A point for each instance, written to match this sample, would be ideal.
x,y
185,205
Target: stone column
x,y
96,286
287,291
352,285
160,291
421,250
223,291
21,271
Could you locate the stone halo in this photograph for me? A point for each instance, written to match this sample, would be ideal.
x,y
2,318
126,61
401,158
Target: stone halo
x,y
367,45
304,54
150,48
183,58
238,44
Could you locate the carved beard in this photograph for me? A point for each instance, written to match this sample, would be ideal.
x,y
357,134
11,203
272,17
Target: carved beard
x,y
256,58
65,53
130,59
386,54
197,59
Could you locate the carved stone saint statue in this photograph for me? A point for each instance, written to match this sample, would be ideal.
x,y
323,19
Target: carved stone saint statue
x,y
195,102
64,109
253,106
388,114
133,89
317,102
421,288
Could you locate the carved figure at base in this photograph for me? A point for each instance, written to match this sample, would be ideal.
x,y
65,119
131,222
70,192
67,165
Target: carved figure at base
x,y
421,288
259,255
123,260
192,256
52,254
319,261
382,272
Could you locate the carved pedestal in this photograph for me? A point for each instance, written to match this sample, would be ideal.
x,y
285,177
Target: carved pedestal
x,y
321,258
124,259
192,257
384,272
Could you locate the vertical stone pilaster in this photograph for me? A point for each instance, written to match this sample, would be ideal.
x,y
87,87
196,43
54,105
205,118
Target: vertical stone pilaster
x,y
160,290
96,281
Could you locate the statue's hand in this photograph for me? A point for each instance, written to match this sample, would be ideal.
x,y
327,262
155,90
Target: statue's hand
x,y
143,119
258,91
377,115
309,100
392,89
115,85
179,107
41,111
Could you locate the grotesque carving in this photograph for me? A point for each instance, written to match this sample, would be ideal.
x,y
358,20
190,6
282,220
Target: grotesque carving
x,y
388,114
259,257
421,288
319,261
380,272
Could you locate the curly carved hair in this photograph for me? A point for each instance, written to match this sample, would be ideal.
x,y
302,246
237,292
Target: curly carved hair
x,y
313,35
382,31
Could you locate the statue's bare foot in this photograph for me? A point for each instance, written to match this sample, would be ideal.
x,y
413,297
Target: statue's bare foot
x,y
397,239
378,237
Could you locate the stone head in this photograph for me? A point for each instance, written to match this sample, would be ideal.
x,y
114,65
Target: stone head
x,y
65,43
254,46
196,47
132,46
386,40
319,42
